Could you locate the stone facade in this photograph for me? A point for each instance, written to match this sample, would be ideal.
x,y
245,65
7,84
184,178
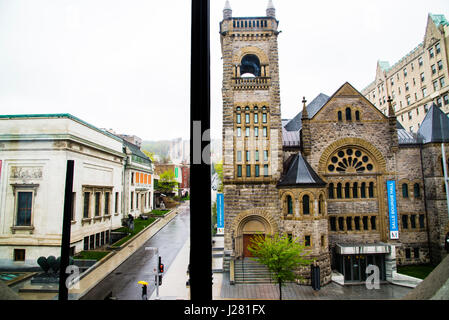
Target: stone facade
x,y
328,167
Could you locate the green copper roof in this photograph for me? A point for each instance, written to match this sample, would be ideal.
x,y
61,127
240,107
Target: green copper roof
x,y
384,65
439,19
59,115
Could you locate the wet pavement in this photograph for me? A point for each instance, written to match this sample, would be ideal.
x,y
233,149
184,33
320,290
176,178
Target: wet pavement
x,y
293,291
122,284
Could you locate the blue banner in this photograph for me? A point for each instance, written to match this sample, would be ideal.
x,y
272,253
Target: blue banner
x,y
220,213
392,209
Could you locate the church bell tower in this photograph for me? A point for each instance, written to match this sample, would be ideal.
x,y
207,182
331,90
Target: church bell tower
x,y
252,130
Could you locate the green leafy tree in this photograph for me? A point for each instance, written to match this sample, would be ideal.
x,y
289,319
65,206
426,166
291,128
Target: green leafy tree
x,y
282,256
149,154
214,218
167,181
219,170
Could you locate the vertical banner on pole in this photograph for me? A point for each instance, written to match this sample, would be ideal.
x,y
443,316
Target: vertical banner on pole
x,y
392,209
220,214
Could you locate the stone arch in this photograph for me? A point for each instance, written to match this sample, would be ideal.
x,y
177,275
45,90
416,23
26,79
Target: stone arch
x,y
263,58
355,142
249,222
312,197
284,195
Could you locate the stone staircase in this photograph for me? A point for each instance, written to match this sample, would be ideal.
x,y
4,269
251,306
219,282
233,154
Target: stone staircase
x,y
250,272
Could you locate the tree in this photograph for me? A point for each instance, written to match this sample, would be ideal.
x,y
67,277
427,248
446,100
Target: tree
x,y
167,181
219,170
149,154
281,255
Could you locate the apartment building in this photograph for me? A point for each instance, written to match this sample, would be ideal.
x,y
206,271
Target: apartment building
x,y
416,80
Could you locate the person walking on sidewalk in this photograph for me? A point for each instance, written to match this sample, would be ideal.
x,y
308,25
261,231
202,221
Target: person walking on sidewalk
x,y
144,292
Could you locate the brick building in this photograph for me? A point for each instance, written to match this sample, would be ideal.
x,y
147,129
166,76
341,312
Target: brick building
x,y
322,176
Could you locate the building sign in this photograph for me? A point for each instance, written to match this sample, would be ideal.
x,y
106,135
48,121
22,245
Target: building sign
x,y
176,172
220,213
392,209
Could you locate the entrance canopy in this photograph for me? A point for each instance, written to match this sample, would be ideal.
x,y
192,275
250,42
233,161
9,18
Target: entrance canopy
x,y
359,248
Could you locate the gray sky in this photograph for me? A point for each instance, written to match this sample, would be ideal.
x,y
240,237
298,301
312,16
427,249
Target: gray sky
x,y
125,65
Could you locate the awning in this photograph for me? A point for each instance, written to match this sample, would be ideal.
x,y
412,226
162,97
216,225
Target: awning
x,y
359,248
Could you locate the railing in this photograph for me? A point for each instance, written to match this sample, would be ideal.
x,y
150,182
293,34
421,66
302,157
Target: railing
x,y
250,23
251,83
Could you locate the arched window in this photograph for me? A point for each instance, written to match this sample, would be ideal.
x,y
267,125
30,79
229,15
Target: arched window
x,y
340,117
339,191
348,114
350,160
347,190
355,190
363,190
289,205
371,190
404,190
416,191
250,66
331,190
357,115
305,205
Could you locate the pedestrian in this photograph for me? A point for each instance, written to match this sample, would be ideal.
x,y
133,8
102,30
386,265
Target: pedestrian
x,y
144,292
131,222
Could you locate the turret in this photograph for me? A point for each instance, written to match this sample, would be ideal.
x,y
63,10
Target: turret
x,y
227,11
271,11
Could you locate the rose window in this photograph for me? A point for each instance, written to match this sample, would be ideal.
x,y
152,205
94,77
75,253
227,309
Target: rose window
x,y
350,160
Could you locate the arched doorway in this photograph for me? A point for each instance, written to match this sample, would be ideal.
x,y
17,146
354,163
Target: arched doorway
x,y
249,231
248,224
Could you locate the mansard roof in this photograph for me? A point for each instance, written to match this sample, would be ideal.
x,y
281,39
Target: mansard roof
x,y
135,150
435,126
300,174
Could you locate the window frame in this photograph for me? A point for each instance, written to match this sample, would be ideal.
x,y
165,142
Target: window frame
x,y
24,188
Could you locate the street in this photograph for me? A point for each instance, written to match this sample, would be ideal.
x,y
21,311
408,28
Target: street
x,y
122,284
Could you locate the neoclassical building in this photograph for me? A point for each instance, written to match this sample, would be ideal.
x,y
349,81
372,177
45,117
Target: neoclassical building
x,y
339,176
112,178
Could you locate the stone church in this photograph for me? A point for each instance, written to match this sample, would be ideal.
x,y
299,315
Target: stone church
x,y
322,176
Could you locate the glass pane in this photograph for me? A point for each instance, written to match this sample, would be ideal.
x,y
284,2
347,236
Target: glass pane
x,y
24,208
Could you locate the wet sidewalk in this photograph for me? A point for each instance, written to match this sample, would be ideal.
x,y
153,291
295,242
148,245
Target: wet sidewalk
x,y
293,291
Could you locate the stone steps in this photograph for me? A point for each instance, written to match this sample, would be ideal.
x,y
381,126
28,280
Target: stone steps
x,y
251,272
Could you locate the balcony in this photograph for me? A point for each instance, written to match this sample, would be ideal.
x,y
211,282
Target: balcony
x,y
253,83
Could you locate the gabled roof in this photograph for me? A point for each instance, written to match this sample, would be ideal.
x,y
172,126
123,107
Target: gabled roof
x,y
313,107
300,174
435,126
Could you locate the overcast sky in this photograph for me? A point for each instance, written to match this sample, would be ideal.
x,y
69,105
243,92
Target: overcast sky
x,y
125,65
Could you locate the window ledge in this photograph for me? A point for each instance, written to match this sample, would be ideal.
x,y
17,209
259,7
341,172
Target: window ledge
x,y
22,228
73,222
97,218
86,220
